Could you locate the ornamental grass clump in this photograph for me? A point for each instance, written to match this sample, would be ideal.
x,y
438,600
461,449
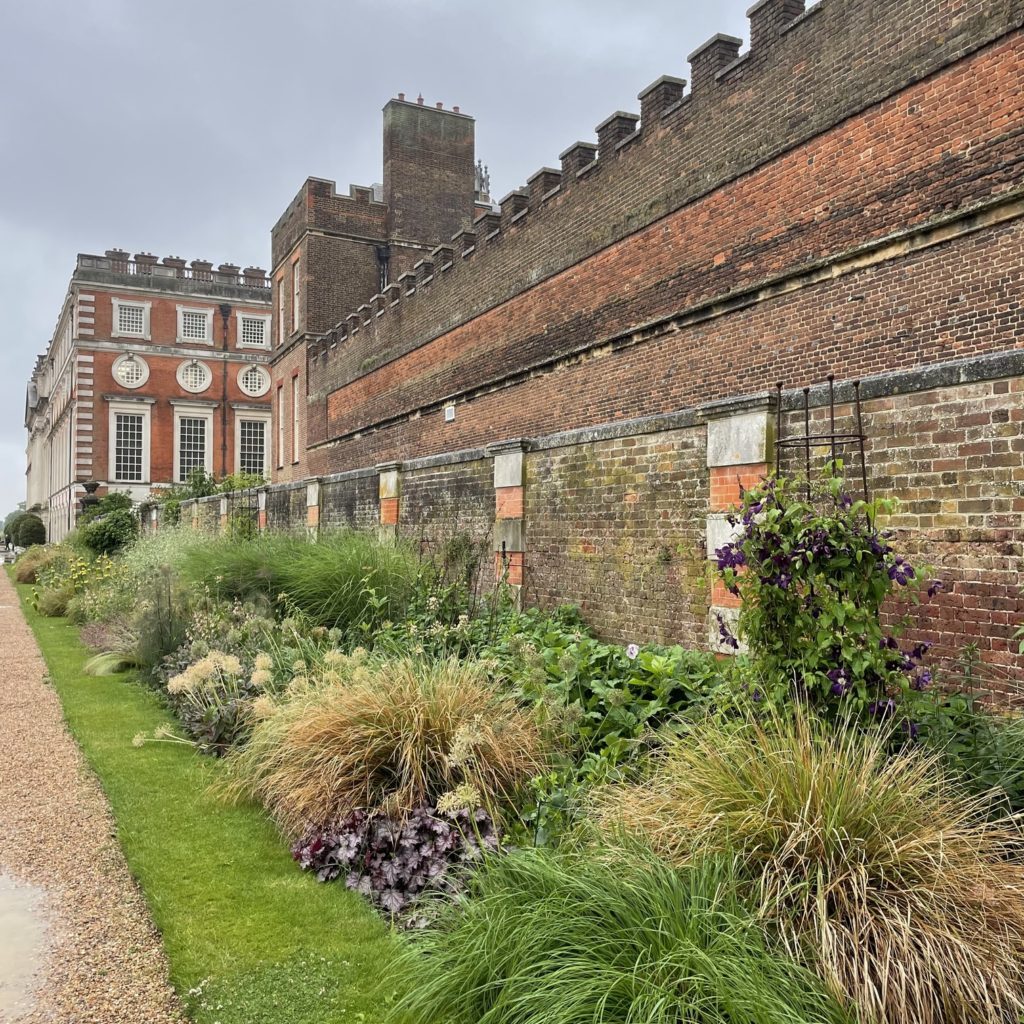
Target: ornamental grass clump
x,y
346,579
889,883
565,938
395,736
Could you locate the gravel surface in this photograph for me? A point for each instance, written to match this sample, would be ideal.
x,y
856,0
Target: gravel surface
x,y
104,963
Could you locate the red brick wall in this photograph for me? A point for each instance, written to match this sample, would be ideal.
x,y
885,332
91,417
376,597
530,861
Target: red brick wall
x,y
162,386
889,170
877,169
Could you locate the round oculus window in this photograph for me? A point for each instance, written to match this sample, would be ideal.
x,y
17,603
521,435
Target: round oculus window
x,y
130,371
194,376
254,381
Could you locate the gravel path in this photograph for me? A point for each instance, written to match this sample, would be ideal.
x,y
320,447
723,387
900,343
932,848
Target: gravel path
x,y
104,963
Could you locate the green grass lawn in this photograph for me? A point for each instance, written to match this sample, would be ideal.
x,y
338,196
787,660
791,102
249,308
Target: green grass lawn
x,y
262,942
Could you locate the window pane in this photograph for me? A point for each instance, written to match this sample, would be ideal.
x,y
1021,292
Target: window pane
x,y
131,319
253,331
191,446
252,446
193,325
128,447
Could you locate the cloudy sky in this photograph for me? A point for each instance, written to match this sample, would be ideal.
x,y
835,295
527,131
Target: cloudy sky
x,y
185,128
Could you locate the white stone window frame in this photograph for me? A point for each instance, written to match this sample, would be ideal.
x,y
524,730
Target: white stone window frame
x,y
190,411
115,323
266,320
266,379
267,420
130,357
180,375
140,407
207,314
296,292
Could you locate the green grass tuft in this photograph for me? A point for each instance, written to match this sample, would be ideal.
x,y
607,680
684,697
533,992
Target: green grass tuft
x,y
563,938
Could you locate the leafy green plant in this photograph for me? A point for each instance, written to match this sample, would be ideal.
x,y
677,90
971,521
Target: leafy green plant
x,y
887,881
813,574
109,532
28,530
395,736
565,938
114,501
981,746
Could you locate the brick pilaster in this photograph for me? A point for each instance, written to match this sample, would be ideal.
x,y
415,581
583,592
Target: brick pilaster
x,y
261,509
389,491
509,547
313,507
739,446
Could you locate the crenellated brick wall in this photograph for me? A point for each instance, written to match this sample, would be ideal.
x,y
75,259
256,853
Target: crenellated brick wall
x,y
586,380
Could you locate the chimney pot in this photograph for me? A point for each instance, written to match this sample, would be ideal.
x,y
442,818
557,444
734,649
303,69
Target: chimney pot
x,y
455,110
401,96
419,99
440,106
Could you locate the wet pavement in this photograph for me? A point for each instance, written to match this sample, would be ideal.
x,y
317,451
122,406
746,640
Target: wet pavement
x,y
23,945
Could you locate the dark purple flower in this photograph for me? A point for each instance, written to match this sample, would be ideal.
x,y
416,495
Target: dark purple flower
x,y
922,680
901,572
877,547
920,650
882,708
910,728
757,696
730,557
726,637
840,683
935,587
845,500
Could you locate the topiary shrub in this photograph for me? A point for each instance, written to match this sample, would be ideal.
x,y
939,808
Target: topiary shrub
x,y
110,532
29,530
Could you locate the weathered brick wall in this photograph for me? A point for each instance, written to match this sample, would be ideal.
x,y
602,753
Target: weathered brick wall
x,y
617,527
349,501
956,298
451,504
286,506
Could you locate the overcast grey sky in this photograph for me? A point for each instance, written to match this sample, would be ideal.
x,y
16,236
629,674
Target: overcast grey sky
x,y
185,128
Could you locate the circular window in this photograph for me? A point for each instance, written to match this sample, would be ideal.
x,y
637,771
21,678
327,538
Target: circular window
x,y
130,370
194,376
254,381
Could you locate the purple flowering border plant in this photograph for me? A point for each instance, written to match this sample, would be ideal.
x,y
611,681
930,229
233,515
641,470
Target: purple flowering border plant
x,y
392,862
813,574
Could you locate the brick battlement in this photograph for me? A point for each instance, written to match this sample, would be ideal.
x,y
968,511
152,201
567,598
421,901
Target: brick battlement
x,y
320,206
806,71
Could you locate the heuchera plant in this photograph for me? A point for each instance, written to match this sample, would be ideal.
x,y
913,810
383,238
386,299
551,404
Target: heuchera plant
x,y
391,861
813,574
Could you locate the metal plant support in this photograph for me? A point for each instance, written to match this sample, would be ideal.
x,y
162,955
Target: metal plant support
x,y
834,439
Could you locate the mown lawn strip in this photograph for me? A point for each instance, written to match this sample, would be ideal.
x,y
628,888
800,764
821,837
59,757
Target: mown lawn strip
x,y
246,933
